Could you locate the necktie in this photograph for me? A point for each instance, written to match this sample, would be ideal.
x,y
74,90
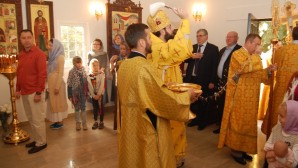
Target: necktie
x,y
199,49
197,61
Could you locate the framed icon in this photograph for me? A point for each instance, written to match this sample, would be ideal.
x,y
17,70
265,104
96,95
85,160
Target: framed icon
x,y
11,24
41,21
120,14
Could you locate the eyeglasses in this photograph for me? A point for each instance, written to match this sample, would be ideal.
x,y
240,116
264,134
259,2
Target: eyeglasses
x,y
96,44
200,35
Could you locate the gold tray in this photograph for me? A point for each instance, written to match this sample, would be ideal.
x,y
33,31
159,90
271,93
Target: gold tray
x,y
183,87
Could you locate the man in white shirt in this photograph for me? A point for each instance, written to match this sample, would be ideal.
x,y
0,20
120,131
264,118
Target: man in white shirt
x,y
222,71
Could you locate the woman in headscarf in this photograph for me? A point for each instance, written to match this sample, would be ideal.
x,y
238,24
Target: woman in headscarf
x,y
285,130
56,102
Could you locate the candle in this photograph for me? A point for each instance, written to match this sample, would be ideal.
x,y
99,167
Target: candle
x,y
8,62
0,61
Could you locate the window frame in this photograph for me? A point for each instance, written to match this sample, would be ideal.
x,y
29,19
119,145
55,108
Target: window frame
x,y
85,26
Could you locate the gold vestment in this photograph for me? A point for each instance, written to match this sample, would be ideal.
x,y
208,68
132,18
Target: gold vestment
x,y
239,123
140,144
167,57
286,59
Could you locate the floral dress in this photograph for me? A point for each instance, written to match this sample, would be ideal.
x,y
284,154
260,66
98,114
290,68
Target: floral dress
x,y
77,88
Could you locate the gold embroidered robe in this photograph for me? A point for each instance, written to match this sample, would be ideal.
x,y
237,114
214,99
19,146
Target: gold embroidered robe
x,y
140,144
287,63
239,123
167,57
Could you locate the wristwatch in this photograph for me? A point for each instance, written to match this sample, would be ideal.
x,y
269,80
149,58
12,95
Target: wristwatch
x,y
38,93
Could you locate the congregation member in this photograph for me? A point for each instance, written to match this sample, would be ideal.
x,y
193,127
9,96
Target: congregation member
x,y
285,131
96,88
284,156
286,57
115,62
31,79
98,53
56,100
202,71
239,123
146,107
291,94
222,72
168,52
77,90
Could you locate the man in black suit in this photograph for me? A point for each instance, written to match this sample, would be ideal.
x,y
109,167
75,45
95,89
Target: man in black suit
x,y
222,71
201,70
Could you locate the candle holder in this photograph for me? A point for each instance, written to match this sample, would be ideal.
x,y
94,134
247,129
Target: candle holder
x,y
8,65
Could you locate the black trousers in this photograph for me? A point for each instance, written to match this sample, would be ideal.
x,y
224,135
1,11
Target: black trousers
x,y
220,107
205,108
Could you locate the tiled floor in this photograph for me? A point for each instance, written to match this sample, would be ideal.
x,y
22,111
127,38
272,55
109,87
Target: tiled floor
x,y
68,148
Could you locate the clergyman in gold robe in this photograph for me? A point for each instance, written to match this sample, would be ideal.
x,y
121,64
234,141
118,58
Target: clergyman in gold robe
x,y
286,59
239,123
145,108
168,52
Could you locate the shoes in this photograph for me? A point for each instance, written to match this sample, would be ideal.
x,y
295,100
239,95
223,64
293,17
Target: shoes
x,y
78,126
30,145
57,126
36,149
95,126
101,125
181,164
239,160
200,127
246,157
53,125
216,131
85,128
265,165
192,123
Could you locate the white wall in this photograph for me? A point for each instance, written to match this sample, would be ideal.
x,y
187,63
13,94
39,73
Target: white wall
x,y
221,17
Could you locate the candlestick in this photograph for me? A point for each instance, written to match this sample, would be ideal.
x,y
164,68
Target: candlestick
x,y
8,69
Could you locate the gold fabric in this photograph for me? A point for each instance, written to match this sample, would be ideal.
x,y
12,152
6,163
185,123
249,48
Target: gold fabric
x,y
264,96
167,57
263,104
287,61
159,21
239,123
140,144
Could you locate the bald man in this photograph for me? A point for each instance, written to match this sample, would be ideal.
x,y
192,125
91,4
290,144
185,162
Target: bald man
x,y
223,69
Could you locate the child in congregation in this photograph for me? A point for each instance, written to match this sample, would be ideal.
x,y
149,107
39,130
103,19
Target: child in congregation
x,y
77,88
96,82
286,131
284,156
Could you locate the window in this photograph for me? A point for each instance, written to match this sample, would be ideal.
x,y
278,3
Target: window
x,y
73,39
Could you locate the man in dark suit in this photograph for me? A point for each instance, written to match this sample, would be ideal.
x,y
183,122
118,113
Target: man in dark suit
x,y
222,72
201,70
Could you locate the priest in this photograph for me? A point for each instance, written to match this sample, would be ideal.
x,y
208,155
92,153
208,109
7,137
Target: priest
x,y
168,52
145,107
